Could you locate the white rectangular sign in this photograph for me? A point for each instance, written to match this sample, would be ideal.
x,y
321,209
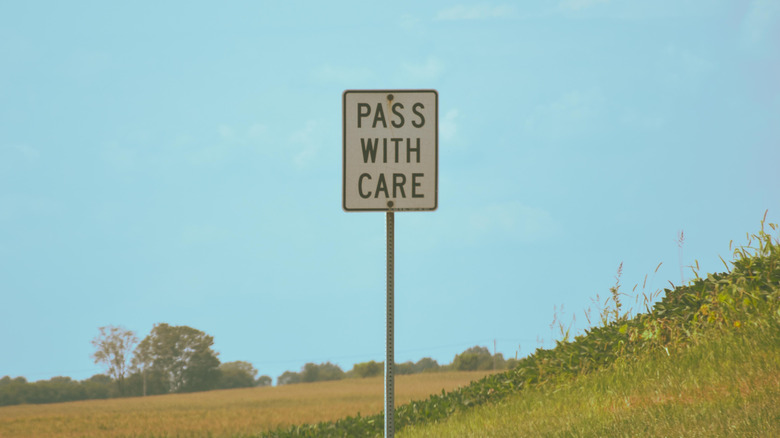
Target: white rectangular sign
x,y
391,150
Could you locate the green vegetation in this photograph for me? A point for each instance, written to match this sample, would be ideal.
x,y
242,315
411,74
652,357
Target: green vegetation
x,y
55,390
113,348
725,386
177,359
701,326
703,361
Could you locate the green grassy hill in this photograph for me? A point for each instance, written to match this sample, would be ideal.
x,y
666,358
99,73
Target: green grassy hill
x,y
702,362
727,386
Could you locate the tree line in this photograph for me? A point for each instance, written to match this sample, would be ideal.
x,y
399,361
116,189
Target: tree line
x,y
473,359
171,359
177,359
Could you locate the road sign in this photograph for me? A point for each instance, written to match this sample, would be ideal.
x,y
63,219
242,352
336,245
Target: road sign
x,y
391,150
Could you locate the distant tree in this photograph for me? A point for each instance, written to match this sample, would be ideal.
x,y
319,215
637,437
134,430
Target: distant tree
x,y
367,369
7,380
317,373
372,368
13,391
201,372
499,363
140,365
100,386
288,378
402,368
55,390
426,364
474,358
146,381
113,347
182,355
237,374
264,381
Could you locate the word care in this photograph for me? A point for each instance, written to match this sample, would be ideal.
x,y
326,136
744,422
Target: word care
x,y
390,150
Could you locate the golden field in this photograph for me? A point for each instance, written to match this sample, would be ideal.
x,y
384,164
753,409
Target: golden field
x,y
226,413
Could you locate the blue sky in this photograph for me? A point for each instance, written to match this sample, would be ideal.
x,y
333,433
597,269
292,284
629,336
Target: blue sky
x,y
180,162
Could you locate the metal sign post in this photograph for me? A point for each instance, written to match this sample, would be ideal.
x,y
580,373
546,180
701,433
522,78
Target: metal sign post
x,y
390,163
389,353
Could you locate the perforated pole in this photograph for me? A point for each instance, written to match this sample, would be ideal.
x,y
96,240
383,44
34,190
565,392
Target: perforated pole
x,y
389,353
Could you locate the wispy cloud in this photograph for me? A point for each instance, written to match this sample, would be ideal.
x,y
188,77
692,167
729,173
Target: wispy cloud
x,y
305,144
509,221
87,65
254,132
682,65
200,234
409,21
118,156
343,74
431,69
579,5
13,205
212,154
568,115
514,220
761,23
631,10
226,132
448,126
11,156
232,141
634,119
475,12
28,152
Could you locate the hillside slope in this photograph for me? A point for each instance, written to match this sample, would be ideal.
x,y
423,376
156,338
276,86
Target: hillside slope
x,y
723,313
727,386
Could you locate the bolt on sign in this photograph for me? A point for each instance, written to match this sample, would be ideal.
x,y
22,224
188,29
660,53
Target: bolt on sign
x,y
391,150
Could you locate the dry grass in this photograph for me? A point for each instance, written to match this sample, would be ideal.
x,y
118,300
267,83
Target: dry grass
x,y
225,413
